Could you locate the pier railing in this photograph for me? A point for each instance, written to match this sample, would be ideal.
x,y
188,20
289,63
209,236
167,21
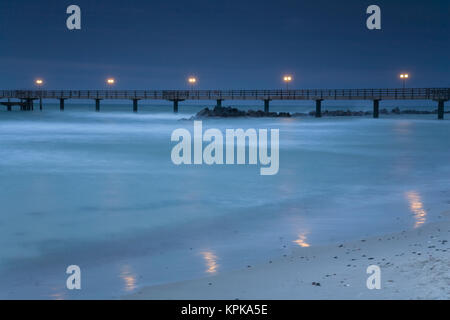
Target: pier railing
x,y
302,94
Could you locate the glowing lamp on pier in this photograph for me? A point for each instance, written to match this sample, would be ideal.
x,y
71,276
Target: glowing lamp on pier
x,y
287,79
192,81
39,82
404,76
110,81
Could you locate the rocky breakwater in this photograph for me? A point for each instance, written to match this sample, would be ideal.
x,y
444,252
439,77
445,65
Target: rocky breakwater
x,y
229,112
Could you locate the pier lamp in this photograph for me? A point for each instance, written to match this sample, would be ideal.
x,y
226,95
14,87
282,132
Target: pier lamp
x,y
404,76
192,81
39,83
287,79
110,81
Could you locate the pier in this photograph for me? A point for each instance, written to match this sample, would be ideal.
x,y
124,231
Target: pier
x,y
27,97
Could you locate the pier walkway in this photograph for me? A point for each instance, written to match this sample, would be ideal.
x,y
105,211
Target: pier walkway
x,y
27,97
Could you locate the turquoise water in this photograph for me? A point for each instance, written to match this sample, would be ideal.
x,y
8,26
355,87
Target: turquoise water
x,y
99,190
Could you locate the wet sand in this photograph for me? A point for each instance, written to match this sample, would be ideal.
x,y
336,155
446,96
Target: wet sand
x,y
414,264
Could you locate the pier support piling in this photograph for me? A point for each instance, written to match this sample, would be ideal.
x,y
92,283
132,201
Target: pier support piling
x,y
97,105
40,103
318,108
376,108
266,105
61,104
219,102
28,104
441,109
175,106
135,105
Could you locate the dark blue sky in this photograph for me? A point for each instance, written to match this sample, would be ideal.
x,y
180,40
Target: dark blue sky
x,y
153,44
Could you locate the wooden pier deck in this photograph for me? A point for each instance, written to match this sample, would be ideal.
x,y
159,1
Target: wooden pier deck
x,y
440,95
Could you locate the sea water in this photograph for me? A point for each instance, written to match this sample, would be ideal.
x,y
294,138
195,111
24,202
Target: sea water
x,y
99,190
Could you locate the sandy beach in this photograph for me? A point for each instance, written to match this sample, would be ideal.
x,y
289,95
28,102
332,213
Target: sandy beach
x,y
415,264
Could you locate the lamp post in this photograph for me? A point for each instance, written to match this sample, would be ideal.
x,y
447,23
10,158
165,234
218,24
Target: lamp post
x,y
109,83
39,83
404,76
192,81
287,79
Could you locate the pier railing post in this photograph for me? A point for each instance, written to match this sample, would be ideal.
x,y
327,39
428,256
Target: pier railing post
x,y
376,108
318,108
441,109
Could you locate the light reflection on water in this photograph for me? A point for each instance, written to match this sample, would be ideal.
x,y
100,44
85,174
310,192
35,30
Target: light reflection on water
x,y
210,261
403,127
301,241
58,295
416,206
129,278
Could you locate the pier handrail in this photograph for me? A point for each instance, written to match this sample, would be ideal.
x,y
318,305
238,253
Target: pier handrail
x,y
297,94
